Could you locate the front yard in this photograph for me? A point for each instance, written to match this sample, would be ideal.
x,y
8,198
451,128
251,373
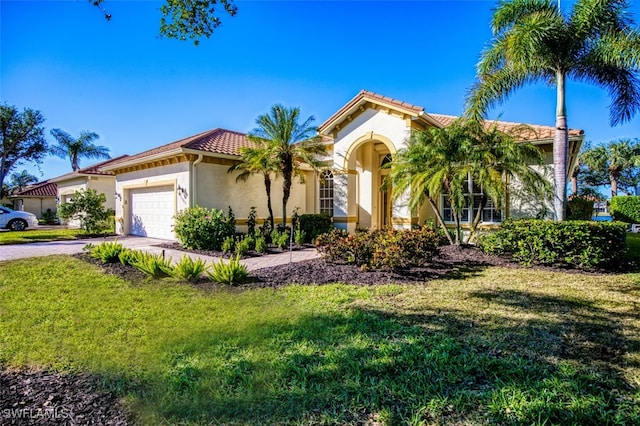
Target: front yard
x,y
40,235
493,345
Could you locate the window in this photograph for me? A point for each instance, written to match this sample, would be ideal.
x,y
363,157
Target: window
x,y
473,194
326,192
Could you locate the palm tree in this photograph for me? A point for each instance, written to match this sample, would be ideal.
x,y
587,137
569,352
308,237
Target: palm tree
x,y
534,42
72,148
497,158
433,163
616,161
289,143
257,161
22,179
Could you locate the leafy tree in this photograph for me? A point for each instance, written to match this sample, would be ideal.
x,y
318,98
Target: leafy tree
x,y
186,19
22,179
616,163
72,148
288,143
257,161
534,42
21,138
87,207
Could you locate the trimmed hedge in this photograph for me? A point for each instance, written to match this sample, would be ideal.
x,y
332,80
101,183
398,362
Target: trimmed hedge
x,y
203,229
574,243
579,208
625,209
315,224
388,248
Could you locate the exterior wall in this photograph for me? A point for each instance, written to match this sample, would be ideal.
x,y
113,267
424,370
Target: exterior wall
x,y
106,186
35,205
215,188
174,174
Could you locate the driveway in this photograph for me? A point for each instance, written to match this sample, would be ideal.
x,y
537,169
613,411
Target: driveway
x,y
151,245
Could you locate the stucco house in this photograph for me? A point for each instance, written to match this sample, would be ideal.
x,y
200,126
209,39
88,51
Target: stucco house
x,y
36,198
90,177
152,186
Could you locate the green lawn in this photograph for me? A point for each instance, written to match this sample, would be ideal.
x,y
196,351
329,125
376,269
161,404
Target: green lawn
x,y
633,242
40,235
505,346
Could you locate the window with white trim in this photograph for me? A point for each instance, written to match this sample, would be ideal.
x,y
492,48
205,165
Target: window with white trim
x,y
326,192
472,195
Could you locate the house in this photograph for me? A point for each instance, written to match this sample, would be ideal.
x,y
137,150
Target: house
x,y
362,136
36,198
91,177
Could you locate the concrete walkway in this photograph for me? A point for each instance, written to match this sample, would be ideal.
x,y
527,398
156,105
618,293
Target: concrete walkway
x,y
151,245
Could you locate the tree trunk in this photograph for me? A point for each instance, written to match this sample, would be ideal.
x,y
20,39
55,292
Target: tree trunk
x,y
476,219
456,217
440,219
74,163
560,151
287,174
614,184
267,187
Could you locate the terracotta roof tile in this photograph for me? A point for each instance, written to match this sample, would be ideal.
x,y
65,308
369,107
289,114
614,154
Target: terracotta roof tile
x,y
42,189
94,169
524,131
217,141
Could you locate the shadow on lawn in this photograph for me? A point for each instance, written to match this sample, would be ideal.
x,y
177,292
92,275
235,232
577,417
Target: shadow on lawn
x,y
543,360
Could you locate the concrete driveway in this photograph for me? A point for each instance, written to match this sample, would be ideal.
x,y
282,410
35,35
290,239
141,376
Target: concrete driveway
x,y
151,245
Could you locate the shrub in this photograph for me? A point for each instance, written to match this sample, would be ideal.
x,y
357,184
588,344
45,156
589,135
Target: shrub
x,y
49,217
299,237
204,229
580,208
230,273
389,248
107,251
574,243
188,269
251,221
626,209
243,246
228,244
87,207
261,245
153,265
128,257
280,239
314,225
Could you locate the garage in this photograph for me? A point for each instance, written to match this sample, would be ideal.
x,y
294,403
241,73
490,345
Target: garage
x,y
152,211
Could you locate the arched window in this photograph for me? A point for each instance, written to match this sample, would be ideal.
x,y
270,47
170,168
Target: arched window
x,y
326,192
386,160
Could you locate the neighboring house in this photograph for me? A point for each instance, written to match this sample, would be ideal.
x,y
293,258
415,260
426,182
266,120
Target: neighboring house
x,y
152,186
91,177
36,198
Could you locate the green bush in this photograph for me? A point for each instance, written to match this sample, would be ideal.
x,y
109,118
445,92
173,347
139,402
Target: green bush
x,y
87,207
203,229
251,221
188,269
49,217
579,208
229,244
299,237
314,225
107,251
243,246
389,248
128,256
153,265
626,209
574,243
230,273
261,245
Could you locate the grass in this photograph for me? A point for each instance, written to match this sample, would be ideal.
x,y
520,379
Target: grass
x,y
633,243
40,235
505,346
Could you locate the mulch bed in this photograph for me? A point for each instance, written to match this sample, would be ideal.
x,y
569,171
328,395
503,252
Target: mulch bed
x,y
46,398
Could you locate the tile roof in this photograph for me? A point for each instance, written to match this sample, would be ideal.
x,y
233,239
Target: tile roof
x,y
42,189
527,131
524,131
215,141
94,169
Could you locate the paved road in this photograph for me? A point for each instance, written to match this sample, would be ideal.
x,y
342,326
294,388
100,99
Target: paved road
x,y
152,245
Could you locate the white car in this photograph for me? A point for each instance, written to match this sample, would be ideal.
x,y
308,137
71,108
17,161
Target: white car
x,y
16,221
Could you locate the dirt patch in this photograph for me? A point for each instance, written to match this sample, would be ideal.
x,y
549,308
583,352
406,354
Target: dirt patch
x,y
45,398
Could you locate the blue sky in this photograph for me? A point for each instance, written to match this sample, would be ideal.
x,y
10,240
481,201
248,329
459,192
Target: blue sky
x,y
137,91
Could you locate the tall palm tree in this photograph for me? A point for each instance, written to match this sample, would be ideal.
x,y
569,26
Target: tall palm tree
x,y
433,163
534,42
22,179
289,143
616,160
72,148
257,161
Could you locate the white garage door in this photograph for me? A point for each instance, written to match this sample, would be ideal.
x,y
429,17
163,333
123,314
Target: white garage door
x,y
152,211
